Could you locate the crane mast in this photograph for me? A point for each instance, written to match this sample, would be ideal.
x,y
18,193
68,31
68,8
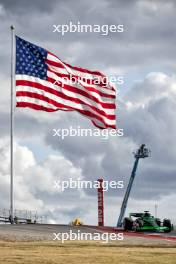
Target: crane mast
x,y
142,152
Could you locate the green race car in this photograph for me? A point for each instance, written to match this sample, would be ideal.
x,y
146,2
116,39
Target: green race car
x,y
142,222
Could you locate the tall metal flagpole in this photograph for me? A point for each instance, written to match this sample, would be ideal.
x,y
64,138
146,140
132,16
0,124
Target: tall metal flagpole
x,y
12,128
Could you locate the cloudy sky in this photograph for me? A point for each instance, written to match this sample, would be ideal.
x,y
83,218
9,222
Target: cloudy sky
x,y
144,54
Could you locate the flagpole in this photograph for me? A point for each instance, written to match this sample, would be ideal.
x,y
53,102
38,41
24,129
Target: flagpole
x,y
12,129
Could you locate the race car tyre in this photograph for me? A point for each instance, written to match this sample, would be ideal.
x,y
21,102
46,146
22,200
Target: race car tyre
x,y
167,223
140,222
127,224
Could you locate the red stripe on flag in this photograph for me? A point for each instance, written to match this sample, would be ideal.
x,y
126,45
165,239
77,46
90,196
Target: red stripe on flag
x,y
60,106
66,87
61,95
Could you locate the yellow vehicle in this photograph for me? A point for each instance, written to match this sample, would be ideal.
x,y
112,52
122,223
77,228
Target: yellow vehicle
x,y
77,222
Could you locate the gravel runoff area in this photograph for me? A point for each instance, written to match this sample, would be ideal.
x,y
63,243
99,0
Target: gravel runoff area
x,y
44,232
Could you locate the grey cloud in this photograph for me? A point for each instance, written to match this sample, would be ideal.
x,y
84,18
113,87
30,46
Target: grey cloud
x,y
152,124
147,40
21,7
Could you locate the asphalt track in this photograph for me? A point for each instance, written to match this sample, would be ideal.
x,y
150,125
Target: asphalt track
x,y
171,235
45,232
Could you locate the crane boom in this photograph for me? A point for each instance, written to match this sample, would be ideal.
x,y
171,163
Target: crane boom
x,y
142,152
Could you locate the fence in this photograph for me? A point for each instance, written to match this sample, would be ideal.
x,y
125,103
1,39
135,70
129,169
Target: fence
x,y
22,217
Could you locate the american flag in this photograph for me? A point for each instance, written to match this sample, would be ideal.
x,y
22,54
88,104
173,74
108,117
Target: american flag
x,y
44,82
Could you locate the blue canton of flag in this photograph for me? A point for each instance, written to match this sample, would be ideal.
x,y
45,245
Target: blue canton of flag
x,y
30,59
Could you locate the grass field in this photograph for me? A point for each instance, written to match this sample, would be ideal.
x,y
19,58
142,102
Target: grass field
x,y
83,252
